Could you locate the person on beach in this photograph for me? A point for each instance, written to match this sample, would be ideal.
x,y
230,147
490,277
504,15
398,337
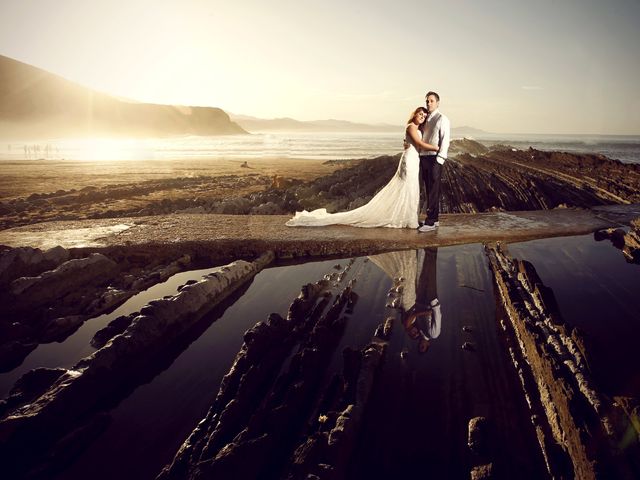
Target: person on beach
x,y
396,205
436,131
423,320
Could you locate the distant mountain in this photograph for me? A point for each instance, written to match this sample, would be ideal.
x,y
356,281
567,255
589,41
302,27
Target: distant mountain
x,y
467,131
254,124
35,103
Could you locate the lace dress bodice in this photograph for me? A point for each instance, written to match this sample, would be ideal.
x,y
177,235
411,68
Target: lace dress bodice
x,y
410,141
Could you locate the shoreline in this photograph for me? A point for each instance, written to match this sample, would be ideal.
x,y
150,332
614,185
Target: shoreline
x,y
304,145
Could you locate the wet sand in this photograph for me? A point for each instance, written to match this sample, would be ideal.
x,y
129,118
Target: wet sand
x,y
26,177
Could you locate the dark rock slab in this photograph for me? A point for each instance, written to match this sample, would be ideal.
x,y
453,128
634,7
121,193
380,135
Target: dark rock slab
x,y
261,403
115,327
54,284
27,432
578,427
29,387
27,261
628,242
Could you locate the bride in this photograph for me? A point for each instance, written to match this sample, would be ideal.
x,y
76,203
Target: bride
x,y
396,205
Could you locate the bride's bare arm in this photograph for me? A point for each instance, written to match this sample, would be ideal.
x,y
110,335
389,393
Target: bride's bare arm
x,y
414,133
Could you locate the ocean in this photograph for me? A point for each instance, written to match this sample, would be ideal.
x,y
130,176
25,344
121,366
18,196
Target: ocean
x,y
322,146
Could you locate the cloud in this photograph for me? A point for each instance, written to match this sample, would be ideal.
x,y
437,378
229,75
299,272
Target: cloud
x,y
531,87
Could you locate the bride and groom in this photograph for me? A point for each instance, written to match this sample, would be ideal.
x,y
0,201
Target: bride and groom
x,y
427,136
414,277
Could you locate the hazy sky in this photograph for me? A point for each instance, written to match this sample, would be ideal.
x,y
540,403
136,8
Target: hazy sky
x,y
506,66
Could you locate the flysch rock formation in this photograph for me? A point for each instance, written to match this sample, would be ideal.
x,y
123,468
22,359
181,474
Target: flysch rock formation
x,y
51,411
154,248
151,197
271,417
40,418
47,295
475,179
266,388
628,242
580,431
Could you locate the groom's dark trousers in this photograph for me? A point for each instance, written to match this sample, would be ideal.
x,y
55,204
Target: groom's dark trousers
x,y
427,288
431,172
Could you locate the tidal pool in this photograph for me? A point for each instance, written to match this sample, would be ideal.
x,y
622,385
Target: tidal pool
x,y
421,404
76,346
598,291
417,416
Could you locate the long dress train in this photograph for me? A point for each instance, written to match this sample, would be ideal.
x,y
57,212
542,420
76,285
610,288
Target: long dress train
x,y
395,206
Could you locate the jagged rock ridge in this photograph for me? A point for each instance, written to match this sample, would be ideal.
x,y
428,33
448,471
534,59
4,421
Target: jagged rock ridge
x,y
579,429
475,179
64,404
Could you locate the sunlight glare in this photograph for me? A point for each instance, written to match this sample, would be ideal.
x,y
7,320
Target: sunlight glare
x,y
105,149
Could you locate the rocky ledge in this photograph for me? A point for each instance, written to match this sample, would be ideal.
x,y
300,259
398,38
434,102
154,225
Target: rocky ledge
x,y
251,430
46,295
627,242
580,430
475,179
56,410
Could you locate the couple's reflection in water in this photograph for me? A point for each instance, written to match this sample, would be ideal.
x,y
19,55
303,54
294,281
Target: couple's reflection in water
x,y
414,292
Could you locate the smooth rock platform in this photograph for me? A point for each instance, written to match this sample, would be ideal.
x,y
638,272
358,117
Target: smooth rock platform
x,y
235,236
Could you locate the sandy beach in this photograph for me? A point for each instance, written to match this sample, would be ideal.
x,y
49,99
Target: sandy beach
x,y
25,177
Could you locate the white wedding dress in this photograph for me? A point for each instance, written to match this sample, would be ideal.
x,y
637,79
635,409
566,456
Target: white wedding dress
x,y
403,268
395,206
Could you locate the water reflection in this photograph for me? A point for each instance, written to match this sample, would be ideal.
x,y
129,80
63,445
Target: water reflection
x,y
414,278
597,290
66,353
421,288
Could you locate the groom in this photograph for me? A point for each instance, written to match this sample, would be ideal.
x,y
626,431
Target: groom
x,y
437,131
424,318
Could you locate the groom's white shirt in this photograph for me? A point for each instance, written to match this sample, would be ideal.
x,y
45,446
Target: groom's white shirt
x,y
437,131
434,324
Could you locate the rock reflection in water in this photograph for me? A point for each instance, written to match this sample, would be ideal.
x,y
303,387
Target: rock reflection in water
x,y
418,416
147,427
77,345
597,290
420,405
